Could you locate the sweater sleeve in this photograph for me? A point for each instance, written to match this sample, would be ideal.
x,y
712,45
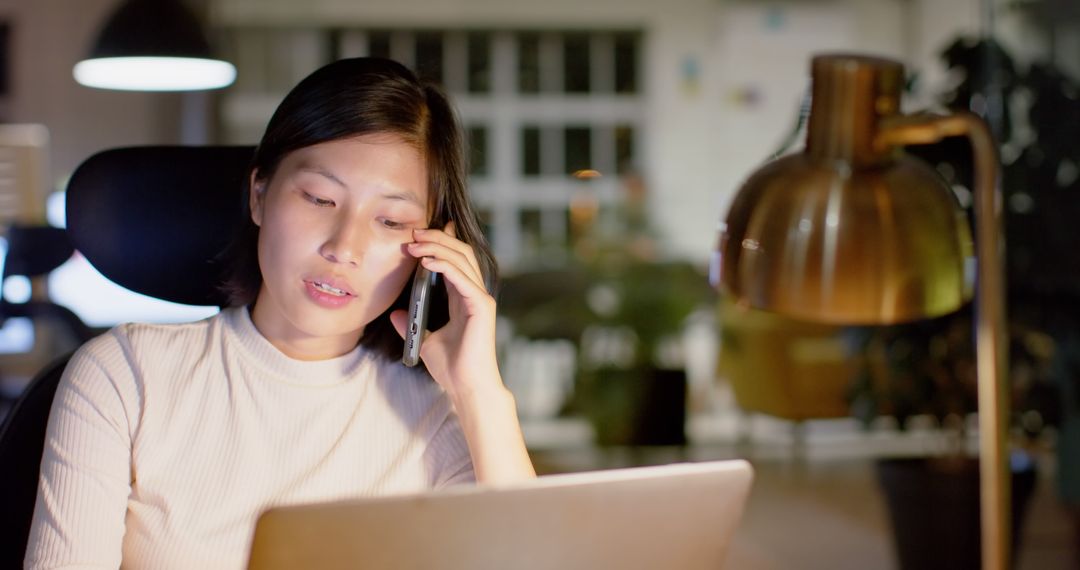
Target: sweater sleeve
x,y
86,465
448,455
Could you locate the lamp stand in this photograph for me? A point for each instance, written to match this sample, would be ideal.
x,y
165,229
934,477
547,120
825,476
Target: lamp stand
x,y
990,320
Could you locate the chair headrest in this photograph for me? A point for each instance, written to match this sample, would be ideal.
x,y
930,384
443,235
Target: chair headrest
x,y
155,219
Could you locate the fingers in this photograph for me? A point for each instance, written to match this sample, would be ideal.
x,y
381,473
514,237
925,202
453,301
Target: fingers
x,y
429,252
447,237
440,246
441,252
469,286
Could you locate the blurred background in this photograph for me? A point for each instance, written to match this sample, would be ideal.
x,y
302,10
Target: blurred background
x,y
606,140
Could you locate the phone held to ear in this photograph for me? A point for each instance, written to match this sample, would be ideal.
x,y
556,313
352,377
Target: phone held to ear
x,y
419,305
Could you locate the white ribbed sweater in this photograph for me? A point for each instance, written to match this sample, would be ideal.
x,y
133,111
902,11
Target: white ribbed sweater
x,y
165,443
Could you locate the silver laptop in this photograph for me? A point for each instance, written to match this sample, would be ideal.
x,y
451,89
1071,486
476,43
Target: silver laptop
x,y
671,516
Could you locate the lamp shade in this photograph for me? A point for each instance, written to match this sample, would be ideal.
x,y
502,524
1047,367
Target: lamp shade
x,y
848,231
153,45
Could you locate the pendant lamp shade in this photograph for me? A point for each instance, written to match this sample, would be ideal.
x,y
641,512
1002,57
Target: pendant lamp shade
x,y
153,45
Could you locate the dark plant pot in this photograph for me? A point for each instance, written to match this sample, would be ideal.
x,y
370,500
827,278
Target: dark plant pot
x,y
934,510
636,407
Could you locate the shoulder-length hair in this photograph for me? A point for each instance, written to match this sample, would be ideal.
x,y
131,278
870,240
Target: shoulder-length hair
x,y
350,98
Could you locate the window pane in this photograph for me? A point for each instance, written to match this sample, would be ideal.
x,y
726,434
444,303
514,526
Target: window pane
x,y
624,149
578,148
429,56
528,63
479,62
379,44
576,63
626,54
531,228
477,141
530,151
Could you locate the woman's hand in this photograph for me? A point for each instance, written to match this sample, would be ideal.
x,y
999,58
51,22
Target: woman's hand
x,y
461,355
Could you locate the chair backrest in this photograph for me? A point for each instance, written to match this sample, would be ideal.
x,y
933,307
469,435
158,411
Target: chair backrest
x,y
154,220
22,439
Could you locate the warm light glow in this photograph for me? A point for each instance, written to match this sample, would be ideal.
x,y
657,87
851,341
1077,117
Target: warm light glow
x,y
154,73
586,174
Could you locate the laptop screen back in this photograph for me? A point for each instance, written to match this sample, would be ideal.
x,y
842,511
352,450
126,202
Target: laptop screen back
x,y
672,516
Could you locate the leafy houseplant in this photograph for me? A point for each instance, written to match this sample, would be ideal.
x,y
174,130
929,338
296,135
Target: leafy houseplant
x,y
623,307
621,313
927,368
634,390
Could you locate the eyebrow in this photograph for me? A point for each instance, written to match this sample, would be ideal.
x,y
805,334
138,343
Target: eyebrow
x,y
403,195
314,169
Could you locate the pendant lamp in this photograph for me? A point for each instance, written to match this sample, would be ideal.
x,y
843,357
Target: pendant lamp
x,y
153,45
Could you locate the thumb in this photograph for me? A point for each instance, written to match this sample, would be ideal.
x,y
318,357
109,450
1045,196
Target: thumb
x,y
400,320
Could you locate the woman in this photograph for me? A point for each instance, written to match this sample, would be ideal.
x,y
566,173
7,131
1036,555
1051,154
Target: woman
x,y
165,442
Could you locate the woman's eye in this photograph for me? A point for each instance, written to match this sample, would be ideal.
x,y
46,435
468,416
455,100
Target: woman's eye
x,y
322,202
391,224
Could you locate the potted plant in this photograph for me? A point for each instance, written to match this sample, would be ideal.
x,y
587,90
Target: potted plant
x,y
927,369
624,308
624,315
632,384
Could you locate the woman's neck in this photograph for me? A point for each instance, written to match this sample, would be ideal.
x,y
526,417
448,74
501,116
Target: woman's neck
x,y
300,346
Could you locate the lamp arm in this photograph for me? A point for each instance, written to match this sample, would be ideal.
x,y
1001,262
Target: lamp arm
x,y
990,318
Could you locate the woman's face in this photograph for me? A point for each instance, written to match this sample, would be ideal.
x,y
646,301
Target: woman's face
x,y
334,220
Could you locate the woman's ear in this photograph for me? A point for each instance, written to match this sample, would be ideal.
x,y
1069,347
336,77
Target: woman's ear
x,y
256,197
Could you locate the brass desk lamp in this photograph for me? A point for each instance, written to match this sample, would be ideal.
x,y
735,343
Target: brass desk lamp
x,y
853,231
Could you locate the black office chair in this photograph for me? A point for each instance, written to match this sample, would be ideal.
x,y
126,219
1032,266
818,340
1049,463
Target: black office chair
x,y
154,220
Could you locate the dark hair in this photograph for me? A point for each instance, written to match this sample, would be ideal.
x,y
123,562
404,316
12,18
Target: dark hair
x,y
349,98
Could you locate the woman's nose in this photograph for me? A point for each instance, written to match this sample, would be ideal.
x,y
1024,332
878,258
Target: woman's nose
x,y
345,244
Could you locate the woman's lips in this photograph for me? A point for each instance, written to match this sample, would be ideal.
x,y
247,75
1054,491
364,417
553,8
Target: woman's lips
x,y
327,293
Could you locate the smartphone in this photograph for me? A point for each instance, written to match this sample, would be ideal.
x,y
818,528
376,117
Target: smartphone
x,y
419,305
